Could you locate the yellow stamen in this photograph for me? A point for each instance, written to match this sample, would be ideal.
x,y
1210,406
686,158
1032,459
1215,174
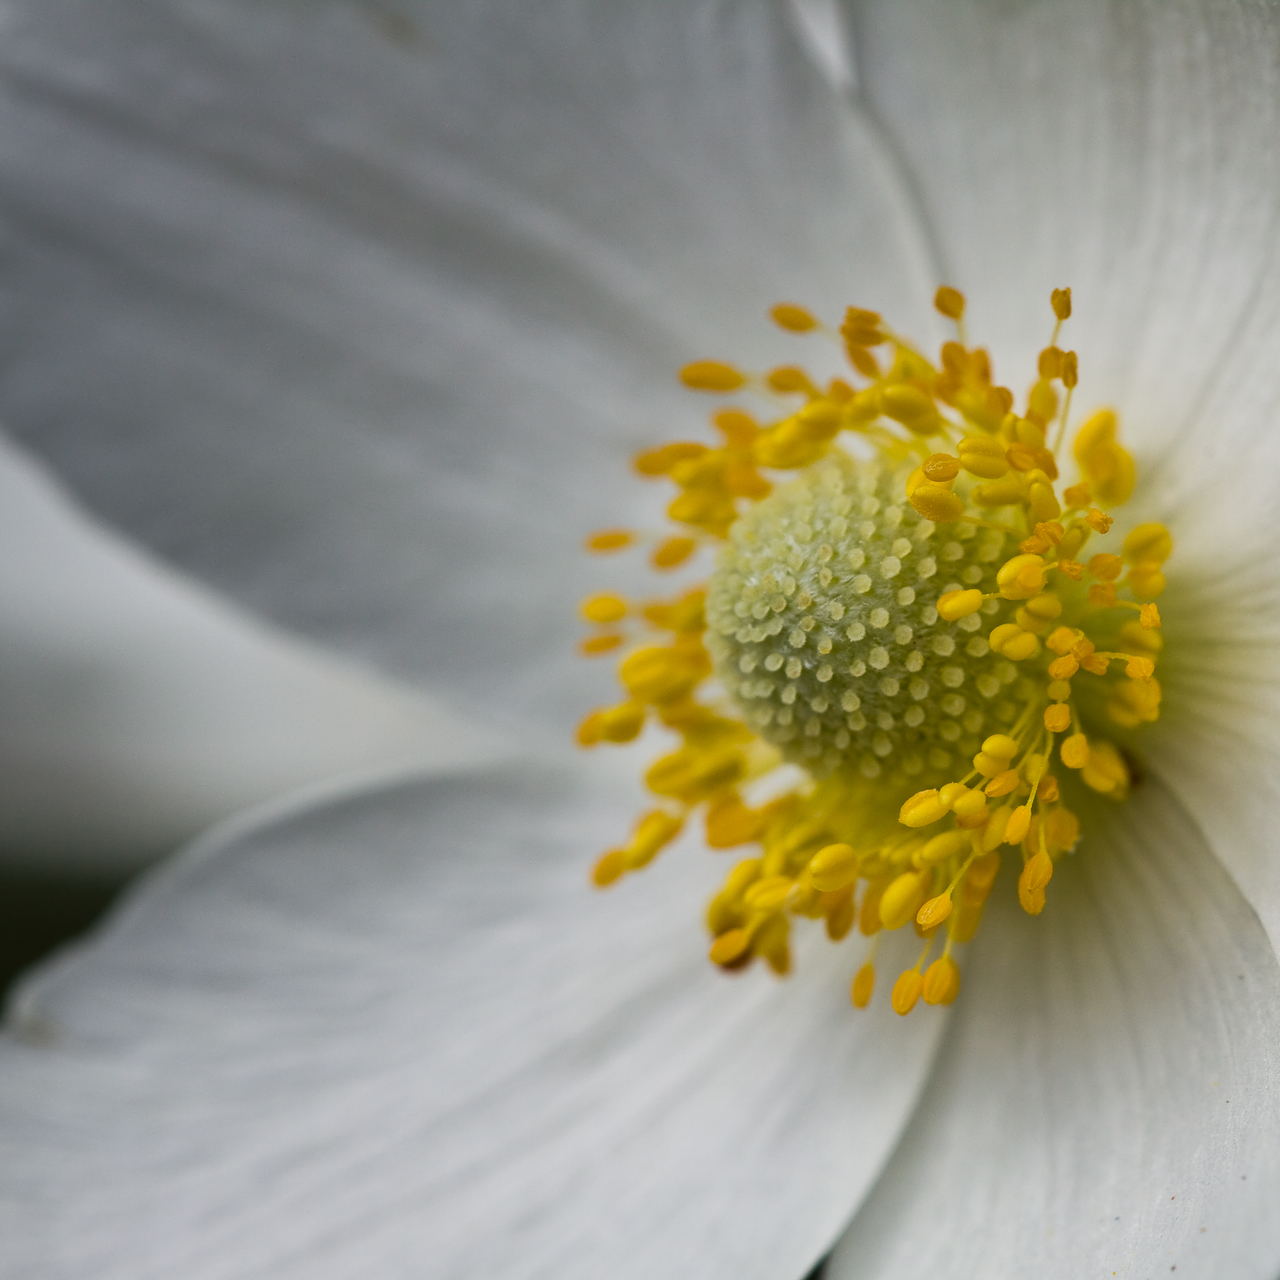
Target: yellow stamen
x,y
884,624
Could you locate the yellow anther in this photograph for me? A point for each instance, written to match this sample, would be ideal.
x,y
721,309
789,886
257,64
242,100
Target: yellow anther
x,y
941,468
1150,616
861,328
906,991
1000,745
662,461
660,675
730,947
610,540
1057,719
869,916
1016,827
840,915
833,867
1070,369
902,898
739,428
741,878
922,809
673,551
594,645
1063,668
1146,581
1021,577
770,941
989,766
1031,883
1046,606
937,503
711,375
1148,542
654,831
944,846
984,457
730,823
934,912
864,983
612,724
1063,640
964,803
1075,751
1106,567
787,378
1135,703
768,894
604,608
1004,492
691,775
1048,789
950,302
1106,771
993,832
941,981
954,605
1098,521
1042,501
911,407
1013,642
1049,364
1140,668
608,868
1059,690
787,315
1060,300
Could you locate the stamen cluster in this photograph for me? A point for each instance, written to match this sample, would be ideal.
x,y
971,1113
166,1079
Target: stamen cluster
x,y
923,632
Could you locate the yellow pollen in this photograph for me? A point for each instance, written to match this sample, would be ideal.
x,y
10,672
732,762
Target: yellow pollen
x,y
945,638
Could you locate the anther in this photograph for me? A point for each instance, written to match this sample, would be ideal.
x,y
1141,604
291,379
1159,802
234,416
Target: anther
x,y
833,867
950,302
789,316
711,375
864,982
941,981
906,991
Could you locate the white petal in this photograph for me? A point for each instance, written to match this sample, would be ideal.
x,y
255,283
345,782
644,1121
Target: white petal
x,y
1119,150
360,317
1122,151
398,1035
1105,1098
138,708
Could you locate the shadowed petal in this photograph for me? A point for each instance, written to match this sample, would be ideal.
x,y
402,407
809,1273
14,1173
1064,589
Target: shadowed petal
x,y
358,311
397,1034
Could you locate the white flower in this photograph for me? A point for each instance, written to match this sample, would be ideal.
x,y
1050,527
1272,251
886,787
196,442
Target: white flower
x,y
354,310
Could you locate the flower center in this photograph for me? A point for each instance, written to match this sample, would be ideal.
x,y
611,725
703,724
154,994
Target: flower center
x,y
823,625
912,619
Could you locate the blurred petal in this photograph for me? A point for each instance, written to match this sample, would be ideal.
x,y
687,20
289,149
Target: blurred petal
x,y
397,1034
138,708
1111,1071
358,311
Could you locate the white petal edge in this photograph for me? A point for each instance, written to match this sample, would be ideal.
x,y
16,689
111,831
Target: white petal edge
x,y
397,1034
361,320
139,708
1105,1097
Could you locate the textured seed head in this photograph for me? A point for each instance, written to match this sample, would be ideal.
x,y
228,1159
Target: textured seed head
x,y
823,625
